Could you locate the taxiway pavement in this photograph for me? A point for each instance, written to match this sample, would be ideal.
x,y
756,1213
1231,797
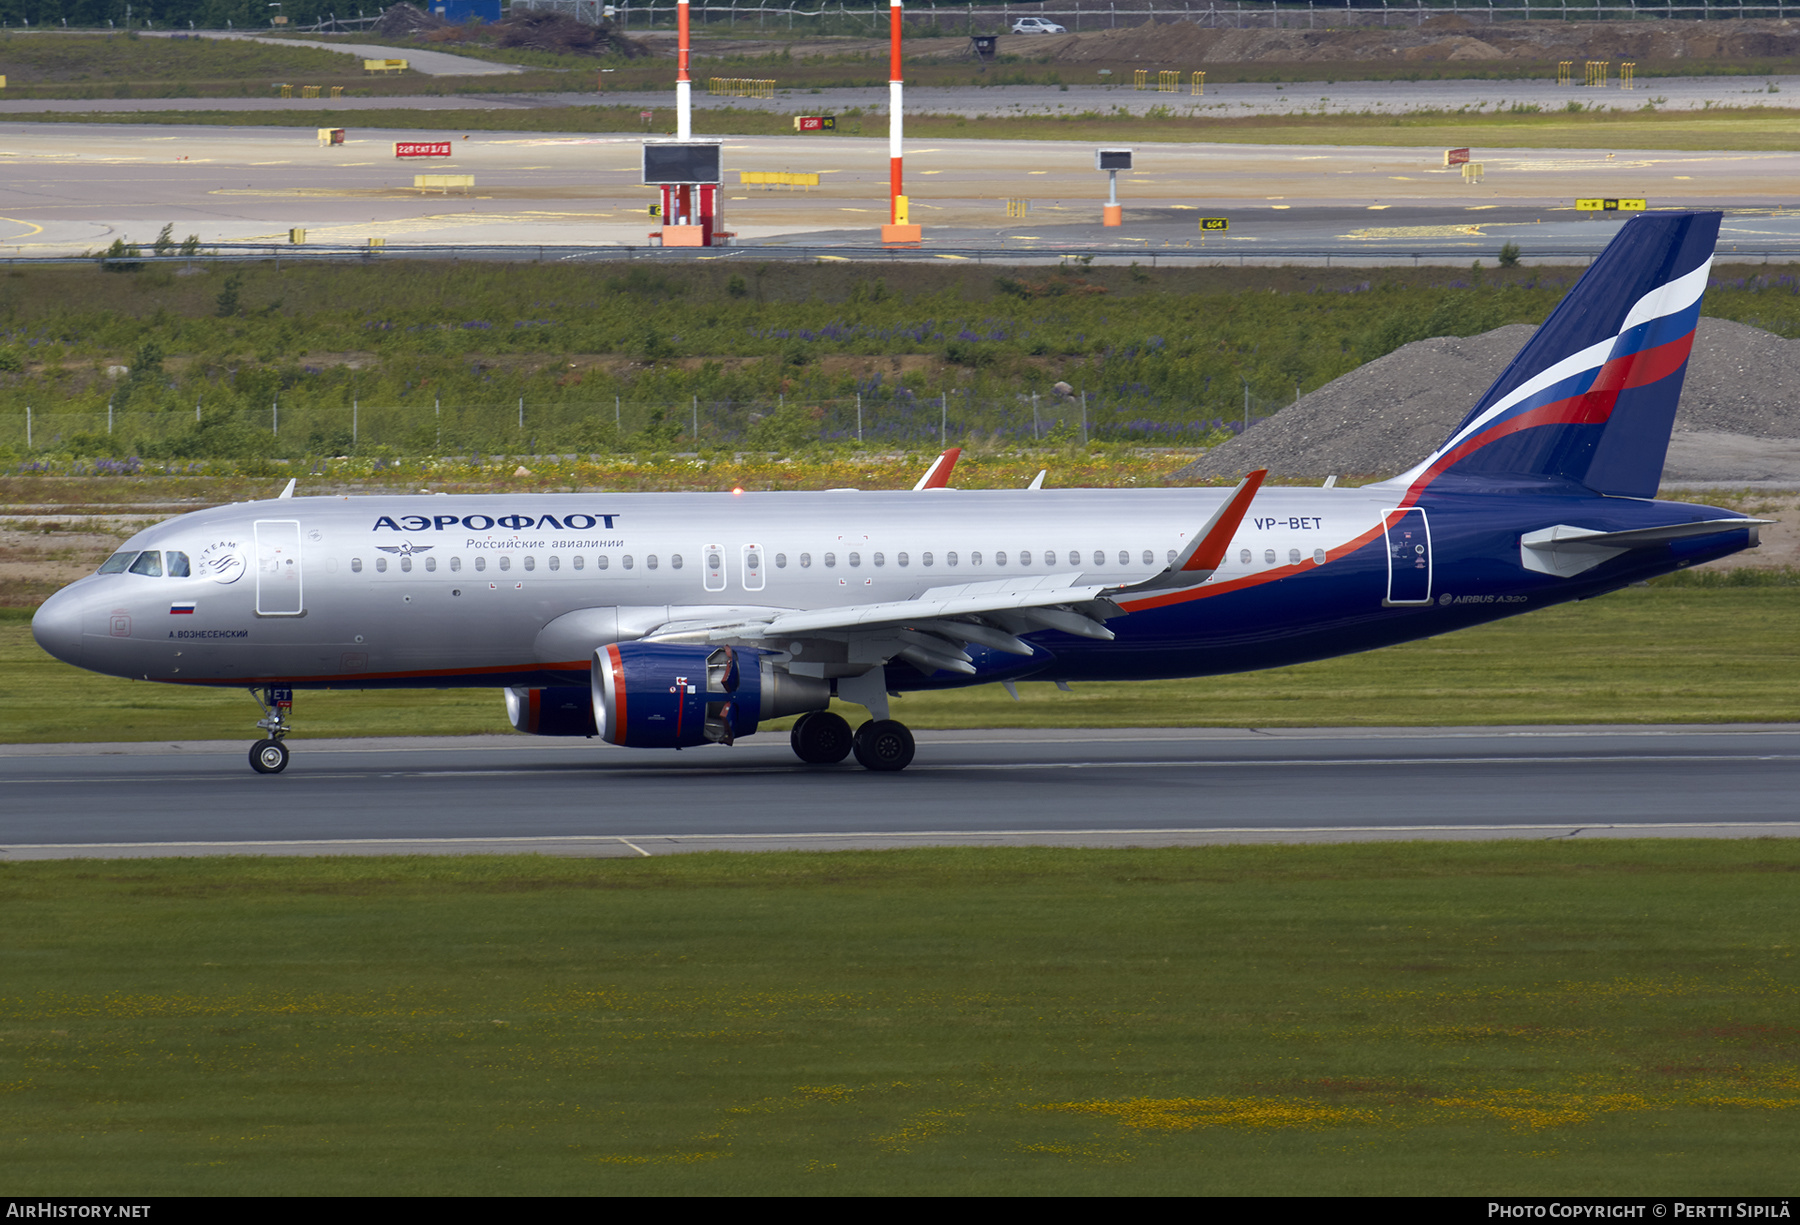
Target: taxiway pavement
x,y
68,190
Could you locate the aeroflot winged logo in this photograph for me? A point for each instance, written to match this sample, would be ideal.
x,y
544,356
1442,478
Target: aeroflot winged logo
x,y
486,523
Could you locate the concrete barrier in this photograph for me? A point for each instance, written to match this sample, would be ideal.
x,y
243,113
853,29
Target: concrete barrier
x,y
442,183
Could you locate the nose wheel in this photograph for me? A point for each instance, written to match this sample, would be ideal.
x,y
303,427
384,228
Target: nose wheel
x,y
269,755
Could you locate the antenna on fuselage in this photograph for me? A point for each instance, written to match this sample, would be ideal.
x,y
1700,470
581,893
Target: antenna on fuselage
x,y
289,491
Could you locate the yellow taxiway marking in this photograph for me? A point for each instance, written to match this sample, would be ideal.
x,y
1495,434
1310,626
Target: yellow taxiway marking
x,y
1419,231
856,210
842,259
944,255
1376,208
31,229
1291,206
1027,172
287,163
1477,208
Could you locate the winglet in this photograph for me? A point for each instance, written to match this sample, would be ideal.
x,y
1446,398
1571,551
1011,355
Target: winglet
x,y
1037,482
938,475
289,491
1196,563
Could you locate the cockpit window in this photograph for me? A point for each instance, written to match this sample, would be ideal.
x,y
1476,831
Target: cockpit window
x,y
116,563
148,564
178,565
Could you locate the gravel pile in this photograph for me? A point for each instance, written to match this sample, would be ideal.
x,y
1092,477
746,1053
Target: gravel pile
x,y
1742,393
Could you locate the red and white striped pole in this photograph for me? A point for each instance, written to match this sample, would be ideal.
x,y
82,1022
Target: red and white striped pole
x,y
899,227
684,120
895,113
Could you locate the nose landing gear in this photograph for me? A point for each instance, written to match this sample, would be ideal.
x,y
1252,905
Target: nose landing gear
x,y
270,755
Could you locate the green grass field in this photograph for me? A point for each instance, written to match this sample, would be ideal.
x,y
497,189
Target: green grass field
x,y
1663,654
1571,1018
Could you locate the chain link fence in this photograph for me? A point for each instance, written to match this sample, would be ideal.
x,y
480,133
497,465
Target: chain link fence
x,y
781,425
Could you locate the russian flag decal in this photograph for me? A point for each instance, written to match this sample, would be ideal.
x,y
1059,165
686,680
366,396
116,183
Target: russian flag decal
x,y
176,610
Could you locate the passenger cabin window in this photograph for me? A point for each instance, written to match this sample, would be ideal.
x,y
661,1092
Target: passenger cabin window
x,y
1293,557
148,564
1268,557
431,565
1099,558
1318,557
626,561
118,563
974,559
602,561
1124,558
381,565
1000,558
455,565
1149,558
675,561
577,562
902,559
530,563
924,557
481,563
781,561
1244,556
406,565
356,565
950,558
805,560
650,562
830,560
1024,557
505,562
555,562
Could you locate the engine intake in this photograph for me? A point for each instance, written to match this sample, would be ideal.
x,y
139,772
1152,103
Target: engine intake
x,y
651,695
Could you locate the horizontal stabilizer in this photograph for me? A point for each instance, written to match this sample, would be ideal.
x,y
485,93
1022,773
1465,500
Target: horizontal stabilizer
x,y
1567,551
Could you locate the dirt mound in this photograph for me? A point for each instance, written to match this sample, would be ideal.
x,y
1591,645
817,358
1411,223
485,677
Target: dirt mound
x,y
1743,386
407,21
538,31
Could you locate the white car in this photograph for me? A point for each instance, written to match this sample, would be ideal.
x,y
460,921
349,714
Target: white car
x,y
1036,25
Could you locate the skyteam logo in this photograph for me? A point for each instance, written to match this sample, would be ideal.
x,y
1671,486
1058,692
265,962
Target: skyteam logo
x,y
579,522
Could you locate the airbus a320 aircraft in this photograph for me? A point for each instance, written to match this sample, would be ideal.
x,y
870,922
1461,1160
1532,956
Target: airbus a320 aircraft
x,y
677,620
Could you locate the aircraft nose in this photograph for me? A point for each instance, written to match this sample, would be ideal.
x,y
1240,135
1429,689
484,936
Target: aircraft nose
x,y
57,627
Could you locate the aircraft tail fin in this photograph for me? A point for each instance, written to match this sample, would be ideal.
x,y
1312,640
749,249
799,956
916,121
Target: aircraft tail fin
x,y
1591,398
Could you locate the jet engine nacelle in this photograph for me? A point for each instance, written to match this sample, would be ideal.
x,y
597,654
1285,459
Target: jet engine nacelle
x,y
651,695
560,710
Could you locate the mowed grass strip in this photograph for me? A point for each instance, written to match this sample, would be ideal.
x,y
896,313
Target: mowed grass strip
x,y
1746,129
1661,654
1512,1018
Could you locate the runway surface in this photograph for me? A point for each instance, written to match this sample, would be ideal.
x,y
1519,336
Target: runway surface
x,y
1116,787
64,191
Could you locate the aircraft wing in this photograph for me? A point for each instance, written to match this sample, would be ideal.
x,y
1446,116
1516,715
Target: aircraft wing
x,y
934,629
931,631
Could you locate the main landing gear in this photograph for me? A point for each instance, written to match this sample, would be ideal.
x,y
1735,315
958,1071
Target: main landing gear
x,y
821,738
270,755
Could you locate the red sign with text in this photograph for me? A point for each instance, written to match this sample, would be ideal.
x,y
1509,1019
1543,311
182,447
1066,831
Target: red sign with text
x,y
421,148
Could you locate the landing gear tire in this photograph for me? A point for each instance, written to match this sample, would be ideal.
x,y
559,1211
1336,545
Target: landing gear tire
x,y
883,744
821,738
268,757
